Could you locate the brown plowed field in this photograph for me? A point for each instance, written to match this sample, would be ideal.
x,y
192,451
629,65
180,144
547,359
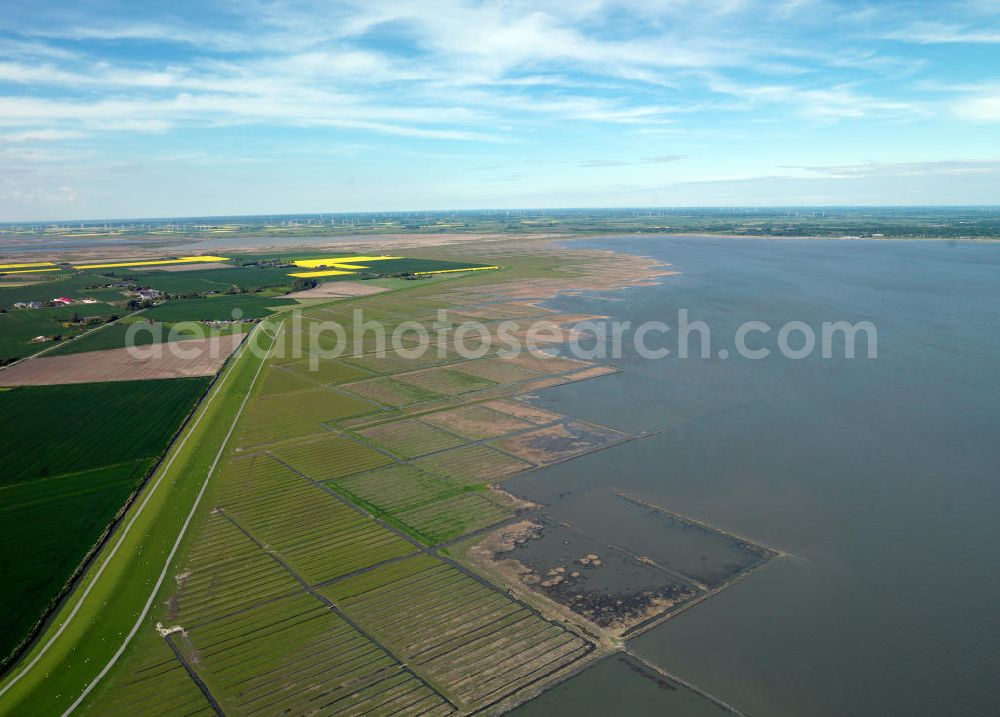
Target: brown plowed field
x,y
180,359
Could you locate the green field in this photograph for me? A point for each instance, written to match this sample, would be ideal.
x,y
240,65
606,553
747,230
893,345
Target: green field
x,y
72,456
74,285
113,592
52,430
472,640
207,281
114,336
308,580
290,415
328,455
316,534
74,510
224,307
410,438
19,326
194,295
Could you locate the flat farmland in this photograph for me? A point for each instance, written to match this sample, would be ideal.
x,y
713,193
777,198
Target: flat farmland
x,y
226,572
410,438
84,425
454,515
475,642
314,579
328,455
74,510
277,380
326,371
217,308
159,684
93,626
73,455
445,381
391,392
308,660
477,421
473,464
116,335
290,415
394,488
19,327
339,289
316,534
498,370
177,359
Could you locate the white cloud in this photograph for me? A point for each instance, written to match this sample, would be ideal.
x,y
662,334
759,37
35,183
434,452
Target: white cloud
x,y
985,108
40,135
906,169
932,33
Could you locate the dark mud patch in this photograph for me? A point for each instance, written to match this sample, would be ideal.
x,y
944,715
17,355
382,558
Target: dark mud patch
x,y
605,586
559,442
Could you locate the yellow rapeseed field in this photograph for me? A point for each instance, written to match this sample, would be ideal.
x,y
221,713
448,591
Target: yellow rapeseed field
x,y
338,260
328,272
25,265
29,271
454,271
154,262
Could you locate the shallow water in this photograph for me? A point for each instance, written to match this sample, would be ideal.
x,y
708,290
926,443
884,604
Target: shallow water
x,y
879,478
619,686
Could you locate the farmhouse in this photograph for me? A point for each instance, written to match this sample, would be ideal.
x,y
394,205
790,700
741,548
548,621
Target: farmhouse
x,y
63,301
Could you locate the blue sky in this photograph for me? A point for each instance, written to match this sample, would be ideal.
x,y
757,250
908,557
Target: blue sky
x,y
247,107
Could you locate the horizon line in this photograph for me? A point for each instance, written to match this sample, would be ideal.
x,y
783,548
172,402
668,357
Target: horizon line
x,y
488,210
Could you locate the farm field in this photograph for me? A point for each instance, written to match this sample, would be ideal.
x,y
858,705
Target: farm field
x,y
320,555
160,685
198,289
410,438
114,590
74,509
477,421
472,464
277,380
116,335
181,359
84,424
390,392
445,382
51,286
217,308
316,534
300,413
326,371
18,327
328,455
72,456
207,278
471,639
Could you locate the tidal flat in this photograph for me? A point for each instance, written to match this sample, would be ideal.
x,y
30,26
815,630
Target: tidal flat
x,y
876,479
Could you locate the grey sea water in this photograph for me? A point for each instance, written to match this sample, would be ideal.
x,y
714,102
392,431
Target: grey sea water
x,y
879,478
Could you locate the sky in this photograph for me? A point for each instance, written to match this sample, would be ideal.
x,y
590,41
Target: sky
x,y
158,109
